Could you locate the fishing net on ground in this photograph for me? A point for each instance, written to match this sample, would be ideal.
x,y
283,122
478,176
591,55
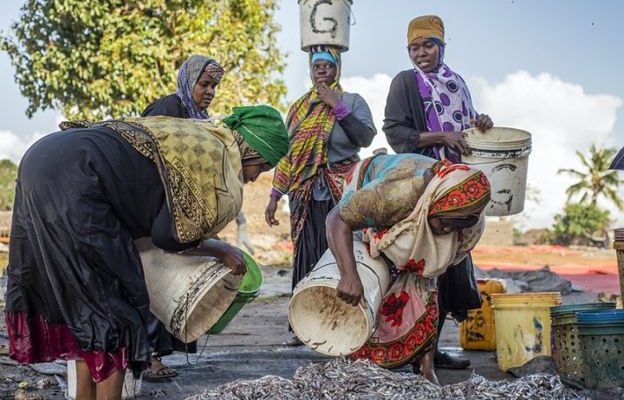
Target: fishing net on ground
x,y
362,380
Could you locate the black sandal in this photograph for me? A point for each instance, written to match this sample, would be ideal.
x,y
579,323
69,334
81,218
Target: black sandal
x,y
162,374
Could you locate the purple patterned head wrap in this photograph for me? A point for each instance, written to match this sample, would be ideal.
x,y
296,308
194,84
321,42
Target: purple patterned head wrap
x,y
189,73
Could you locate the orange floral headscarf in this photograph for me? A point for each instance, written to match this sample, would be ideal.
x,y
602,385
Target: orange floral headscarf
x,y
466,197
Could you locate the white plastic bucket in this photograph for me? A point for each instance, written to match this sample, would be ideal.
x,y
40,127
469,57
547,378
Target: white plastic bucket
x,y
187,293
325,22
131,387
324,322
503,155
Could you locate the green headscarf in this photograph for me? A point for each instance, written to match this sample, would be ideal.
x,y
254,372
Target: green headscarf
x,y
262,128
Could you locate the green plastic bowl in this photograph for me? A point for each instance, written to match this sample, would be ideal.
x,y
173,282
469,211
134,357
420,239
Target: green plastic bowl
x,y
249,289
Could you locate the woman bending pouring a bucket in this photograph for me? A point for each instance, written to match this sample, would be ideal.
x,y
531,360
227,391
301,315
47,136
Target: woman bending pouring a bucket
x,y
76,288
423,216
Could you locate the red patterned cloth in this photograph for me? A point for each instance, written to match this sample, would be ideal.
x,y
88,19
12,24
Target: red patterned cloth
x,y
35,340
407,324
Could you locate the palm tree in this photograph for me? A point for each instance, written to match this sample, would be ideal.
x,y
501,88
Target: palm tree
x,y
597,179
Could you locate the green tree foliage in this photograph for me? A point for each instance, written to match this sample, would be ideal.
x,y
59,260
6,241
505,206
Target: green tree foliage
x,y
580,224
596,179
8,174
97,59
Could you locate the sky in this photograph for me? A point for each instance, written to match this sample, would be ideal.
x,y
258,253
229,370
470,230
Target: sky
x,y
548,67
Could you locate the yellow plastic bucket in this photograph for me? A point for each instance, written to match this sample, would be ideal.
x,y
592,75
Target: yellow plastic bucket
x,y
522,322
477,331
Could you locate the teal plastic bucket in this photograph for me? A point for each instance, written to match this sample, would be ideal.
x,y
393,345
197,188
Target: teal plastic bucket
x,y
249,289
566,341
566,314
602,345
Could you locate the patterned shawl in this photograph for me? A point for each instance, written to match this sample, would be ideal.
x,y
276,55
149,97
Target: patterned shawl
x,y
388,195
447,102
309,123
199,165
455,190
188,76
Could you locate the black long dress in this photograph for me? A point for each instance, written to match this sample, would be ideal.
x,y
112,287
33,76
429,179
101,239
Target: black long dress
x,y
162,342
404,121
75,281
169,106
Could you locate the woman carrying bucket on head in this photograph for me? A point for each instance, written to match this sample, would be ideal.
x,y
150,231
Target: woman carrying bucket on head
x,y
76,288
427,109
422,215
327,127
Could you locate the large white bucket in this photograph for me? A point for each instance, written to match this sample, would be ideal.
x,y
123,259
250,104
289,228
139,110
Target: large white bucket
x,y
325,22
187,293
324,322
503,155
131,387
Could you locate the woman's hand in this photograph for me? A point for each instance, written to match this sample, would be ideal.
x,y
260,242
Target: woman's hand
x,y
350,289
340,241
269,213
327,95
456,141
482,122
229,255
233,258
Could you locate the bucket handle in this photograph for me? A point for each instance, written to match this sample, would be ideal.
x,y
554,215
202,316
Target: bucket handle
x,y
351,13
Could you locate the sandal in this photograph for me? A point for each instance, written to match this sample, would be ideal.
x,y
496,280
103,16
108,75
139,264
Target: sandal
x,y
161,374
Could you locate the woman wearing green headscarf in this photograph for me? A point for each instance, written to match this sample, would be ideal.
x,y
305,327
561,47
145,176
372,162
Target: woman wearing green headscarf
x,y
83,196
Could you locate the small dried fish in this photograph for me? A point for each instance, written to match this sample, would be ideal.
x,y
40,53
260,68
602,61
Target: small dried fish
x,y
362,380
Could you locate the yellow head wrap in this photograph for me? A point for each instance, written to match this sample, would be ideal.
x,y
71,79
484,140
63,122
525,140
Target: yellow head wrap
x,y
427,26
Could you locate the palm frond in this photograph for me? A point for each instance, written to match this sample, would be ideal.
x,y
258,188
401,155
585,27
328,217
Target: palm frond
x,y
583,160
614,196
572,171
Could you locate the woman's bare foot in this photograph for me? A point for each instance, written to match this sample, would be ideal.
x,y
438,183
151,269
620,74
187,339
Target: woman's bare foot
x,y
431,376
428,371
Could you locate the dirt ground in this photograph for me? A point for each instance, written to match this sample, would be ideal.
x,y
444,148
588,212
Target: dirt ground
x,y
252,346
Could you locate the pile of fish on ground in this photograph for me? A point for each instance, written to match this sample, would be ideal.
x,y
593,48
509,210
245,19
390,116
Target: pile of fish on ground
x,y
362,380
